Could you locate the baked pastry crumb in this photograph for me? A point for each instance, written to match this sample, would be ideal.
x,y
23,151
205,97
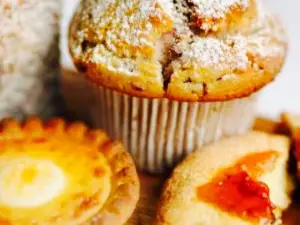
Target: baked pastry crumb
x,y
207,187
214,50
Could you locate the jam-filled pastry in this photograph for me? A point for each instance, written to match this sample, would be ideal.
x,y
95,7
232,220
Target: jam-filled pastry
x,y
57,173
292,122
244,182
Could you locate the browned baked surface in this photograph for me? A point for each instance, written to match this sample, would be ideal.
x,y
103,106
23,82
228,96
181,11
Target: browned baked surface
x,y
182,50
292,123
74,155
151,188
179,203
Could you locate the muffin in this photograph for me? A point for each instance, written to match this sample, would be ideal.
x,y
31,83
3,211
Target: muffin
x,y
29,57
170,76
237,181
58,173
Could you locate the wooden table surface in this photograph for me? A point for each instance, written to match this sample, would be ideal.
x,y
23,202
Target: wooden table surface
x,y
151,188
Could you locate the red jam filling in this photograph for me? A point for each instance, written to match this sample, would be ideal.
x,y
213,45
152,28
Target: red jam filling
x,y
237,191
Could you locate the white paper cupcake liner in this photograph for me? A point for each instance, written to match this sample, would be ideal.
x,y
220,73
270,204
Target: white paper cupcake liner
x,y
160,132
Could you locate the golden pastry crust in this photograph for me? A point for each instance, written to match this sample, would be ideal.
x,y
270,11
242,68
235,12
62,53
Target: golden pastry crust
x,y
292,123
178,203
181,50
75,155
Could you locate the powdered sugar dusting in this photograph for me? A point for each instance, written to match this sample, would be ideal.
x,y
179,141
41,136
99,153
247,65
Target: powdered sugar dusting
x,y
128,23
127,29
261,41
181,20
167,6
264,42
219,56
121,33
217,8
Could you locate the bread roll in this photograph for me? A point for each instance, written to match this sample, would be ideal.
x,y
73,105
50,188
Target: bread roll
x,y
29,57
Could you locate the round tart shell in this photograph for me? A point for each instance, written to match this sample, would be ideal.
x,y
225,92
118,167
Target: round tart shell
x,y
124,191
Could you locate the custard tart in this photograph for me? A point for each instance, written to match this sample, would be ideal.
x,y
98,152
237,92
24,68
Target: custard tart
x,y
59,173
244,182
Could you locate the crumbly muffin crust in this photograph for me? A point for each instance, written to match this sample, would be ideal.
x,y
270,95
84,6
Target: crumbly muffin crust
x,y
76,155
183,50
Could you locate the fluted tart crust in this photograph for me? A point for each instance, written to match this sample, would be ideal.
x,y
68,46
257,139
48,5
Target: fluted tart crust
x,y
190,50
59,173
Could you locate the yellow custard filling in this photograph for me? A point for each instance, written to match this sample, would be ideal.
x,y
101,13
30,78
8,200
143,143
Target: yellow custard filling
x,y
52,179
26,182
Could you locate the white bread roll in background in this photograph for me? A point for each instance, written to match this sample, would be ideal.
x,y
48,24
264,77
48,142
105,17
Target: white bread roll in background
x,y
29,56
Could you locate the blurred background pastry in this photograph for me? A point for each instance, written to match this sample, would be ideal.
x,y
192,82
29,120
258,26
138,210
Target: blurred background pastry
x,y
57,173
240,180
29,57
291,122
169,77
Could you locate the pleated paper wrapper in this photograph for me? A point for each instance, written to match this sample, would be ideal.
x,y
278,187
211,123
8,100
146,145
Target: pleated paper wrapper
x,y
159,132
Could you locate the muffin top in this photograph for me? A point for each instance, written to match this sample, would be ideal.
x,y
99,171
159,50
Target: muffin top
x,y
189,50
63,174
